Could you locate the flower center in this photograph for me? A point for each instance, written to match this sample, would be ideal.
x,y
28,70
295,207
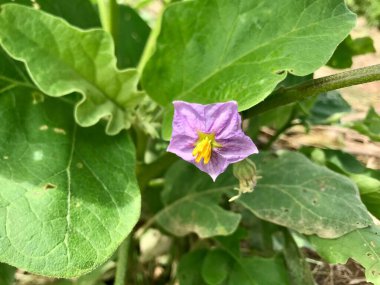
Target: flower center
x,y
203,147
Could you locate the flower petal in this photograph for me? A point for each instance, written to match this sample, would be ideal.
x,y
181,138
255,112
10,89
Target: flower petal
x,y
223,119
188,118
236,148
182,145
214,167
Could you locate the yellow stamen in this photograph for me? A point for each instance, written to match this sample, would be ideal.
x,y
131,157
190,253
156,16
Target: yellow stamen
x,y
203,147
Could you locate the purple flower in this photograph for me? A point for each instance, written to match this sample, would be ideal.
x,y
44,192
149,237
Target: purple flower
x,y
209,136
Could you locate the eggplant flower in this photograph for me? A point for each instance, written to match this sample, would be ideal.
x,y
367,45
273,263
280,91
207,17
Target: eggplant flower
x,y
209,136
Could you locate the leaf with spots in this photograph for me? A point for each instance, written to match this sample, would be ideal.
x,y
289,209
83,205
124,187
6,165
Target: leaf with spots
x,y
62,59
191,205
296,193
68,195
220,50
362,245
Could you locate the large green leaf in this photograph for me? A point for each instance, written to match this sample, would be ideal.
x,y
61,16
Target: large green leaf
x,y
296,193
62,59
362,245
191,204
367,180
220,50
68,195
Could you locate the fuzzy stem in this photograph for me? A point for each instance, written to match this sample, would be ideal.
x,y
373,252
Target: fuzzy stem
x,y
283,96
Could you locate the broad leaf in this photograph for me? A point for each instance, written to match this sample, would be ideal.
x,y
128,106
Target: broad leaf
x,y
370,126
362,245
367,180
220,50
296,193
191,204
342,57
68,195
62,59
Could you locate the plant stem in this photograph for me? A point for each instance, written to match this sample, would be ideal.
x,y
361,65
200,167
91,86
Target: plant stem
x,y
122,262
109,16
283,96
151,43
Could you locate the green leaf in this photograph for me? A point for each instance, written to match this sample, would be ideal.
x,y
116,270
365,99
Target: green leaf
x,y
296,193
7,274
254,270
342,57
80,13
367,180
370,126
132,37
229,268
328,108
191,204
362,245
68,195
62,59
215,267
220,50
258,270
190,266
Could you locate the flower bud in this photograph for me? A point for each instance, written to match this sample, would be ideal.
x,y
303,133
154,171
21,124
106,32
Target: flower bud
x,y
245,172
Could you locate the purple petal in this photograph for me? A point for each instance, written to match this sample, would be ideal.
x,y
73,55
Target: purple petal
x,y
214,167
182,145
223,119
236,148
188,118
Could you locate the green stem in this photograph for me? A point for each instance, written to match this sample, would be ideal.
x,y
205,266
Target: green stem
x,y
122,262
109,16
283,96
151,43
